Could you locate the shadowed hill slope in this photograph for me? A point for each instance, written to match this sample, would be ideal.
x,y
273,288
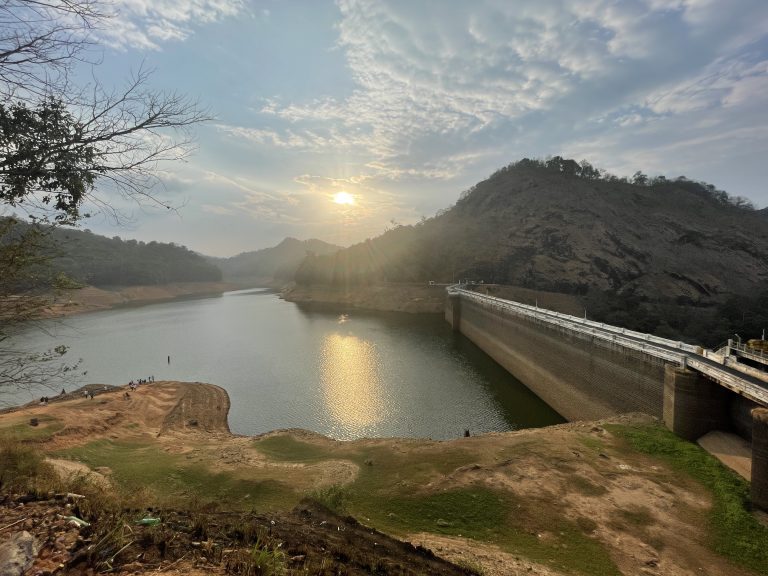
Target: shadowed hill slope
x,y
529,225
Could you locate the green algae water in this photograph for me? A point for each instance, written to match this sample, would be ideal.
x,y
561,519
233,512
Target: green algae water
x,y
344,373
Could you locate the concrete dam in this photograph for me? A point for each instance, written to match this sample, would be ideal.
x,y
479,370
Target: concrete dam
x,y
588,370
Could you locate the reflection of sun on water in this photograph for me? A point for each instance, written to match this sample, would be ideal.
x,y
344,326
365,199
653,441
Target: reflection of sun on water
x,y
349,374
344,198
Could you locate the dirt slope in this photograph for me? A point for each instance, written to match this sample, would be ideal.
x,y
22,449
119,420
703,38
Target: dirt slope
x,y
574,485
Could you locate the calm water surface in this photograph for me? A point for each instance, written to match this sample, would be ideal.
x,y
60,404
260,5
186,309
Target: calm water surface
x,y
347,375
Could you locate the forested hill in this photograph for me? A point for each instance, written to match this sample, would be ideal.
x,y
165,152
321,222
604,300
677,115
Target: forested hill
x,y
278,263
562,226
88,258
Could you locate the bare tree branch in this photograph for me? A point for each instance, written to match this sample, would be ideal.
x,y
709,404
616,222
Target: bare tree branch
x,y
63,146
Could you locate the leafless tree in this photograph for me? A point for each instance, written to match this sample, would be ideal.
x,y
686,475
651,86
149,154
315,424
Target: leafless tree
x,y
64,146
59,140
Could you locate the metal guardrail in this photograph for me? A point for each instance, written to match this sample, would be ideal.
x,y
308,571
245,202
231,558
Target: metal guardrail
x,y
686,355
731,381
646,343
748,352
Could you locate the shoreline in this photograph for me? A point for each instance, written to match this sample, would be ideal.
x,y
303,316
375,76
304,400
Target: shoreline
x,y
93,299
414,298
173,439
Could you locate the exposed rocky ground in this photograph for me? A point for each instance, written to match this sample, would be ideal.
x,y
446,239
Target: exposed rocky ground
x,y
568,499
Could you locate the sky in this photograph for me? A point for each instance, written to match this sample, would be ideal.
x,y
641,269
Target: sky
x,y
402,105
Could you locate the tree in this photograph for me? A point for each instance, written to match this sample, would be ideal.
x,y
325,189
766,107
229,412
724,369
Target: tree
x,y
56,138
639,179
64,146
22,261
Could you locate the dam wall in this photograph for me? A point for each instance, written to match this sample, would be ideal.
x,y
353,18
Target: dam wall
x,y
581,377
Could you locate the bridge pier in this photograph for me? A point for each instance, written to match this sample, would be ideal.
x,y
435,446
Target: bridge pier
x,y
693,405
759,484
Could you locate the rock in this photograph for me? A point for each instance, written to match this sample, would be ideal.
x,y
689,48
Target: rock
x,y
17,553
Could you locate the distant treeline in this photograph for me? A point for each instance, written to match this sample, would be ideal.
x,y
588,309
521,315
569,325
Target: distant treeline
x,y
742,317
585,170
87,258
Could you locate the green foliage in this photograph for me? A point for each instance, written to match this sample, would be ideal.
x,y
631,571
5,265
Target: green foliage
x,y
266,558
475,513
46,427
289,449
518,526
67,258
137,467
333,497
735,532
680,319
43,152
24,468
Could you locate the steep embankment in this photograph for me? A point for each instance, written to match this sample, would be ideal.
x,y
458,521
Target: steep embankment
x,y
572,499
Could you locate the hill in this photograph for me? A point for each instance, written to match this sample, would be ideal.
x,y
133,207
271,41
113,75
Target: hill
x,y
566,227
532,226
88,258
269,265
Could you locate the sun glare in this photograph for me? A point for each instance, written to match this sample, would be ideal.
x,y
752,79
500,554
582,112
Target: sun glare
x,y
344,198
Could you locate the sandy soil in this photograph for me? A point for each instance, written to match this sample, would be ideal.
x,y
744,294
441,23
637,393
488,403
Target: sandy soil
x,y
649,518
731,449
90,298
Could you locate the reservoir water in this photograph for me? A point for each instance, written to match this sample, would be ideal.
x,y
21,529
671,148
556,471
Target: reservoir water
x,y
347,375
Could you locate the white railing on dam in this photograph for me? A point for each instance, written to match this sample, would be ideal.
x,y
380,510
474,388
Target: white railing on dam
x,y
710,364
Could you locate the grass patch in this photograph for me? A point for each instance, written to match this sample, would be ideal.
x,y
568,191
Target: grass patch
x,y
288,449
24,469
485,515
139,467
733,530
333,497
384,471
23,431
475,513
383,495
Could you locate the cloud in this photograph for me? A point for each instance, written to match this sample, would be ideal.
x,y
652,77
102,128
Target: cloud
x,y
461,72
443,93
147,24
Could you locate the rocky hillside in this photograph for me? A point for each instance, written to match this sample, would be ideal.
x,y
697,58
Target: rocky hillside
x,y
278,263
555,226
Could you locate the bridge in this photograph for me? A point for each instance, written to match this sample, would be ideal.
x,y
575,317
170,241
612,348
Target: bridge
x,y
589,370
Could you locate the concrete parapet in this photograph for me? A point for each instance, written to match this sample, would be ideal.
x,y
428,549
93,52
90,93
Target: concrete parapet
x,y
693,405
759,490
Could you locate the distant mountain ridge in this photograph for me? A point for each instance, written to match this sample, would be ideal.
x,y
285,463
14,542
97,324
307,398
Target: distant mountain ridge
x,y
275,264
564,227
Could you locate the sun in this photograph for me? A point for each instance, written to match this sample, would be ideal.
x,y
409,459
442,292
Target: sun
x,y
344,198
